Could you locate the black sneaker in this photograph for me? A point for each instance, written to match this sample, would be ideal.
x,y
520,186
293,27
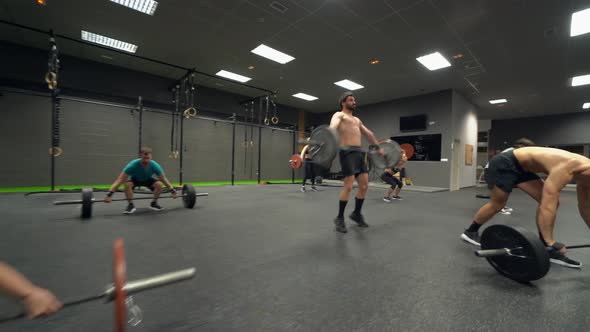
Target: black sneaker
x,y
471,237
558,258
358,219
155,206
387,199
340,225
130,209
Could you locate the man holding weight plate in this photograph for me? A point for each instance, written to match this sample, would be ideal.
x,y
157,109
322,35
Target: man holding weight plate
x,y
352,159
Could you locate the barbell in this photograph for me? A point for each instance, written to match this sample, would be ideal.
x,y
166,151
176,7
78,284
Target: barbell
x,y
120,290
323,145
516,253
189,199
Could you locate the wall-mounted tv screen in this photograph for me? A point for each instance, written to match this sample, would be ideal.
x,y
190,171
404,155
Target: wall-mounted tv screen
x,y
412,123
425,147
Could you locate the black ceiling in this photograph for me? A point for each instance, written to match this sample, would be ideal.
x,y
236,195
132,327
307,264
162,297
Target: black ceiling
x,y
514,49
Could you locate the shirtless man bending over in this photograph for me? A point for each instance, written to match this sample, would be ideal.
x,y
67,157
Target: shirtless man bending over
x,y
517,168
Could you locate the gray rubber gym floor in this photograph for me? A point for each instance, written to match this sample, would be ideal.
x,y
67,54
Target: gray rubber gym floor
x,y
267,259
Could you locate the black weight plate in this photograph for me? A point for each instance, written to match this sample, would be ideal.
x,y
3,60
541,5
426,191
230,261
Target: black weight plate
x,y
392,154
522,269
189,196
324,153
87,199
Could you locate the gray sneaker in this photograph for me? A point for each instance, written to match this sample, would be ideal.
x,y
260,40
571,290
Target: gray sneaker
x,y
471,237
557,257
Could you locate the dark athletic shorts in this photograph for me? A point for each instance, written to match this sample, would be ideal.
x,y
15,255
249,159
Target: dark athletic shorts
x,y
148,184
505,172
352,160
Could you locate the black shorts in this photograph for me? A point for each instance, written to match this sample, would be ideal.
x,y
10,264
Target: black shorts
x,y
353,161
505,172
392,180
148,184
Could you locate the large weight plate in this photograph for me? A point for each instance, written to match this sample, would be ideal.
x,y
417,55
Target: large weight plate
x,y
409,148
119,278
87,198
392,154
522,269
189,196
324,153
295,161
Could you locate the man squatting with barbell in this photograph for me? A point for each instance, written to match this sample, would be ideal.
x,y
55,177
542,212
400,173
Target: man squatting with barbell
x,y
140,172
352,159
518,168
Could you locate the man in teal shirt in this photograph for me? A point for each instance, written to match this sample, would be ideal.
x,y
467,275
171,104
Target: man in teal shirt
x,y
140,172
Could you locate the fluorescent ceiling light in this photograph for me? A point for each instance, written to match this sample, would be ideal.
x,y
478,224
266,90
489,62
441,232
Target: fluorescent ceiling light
x,y
272,54
498,101
109,42
305,96
581,80
144,6
233,76
586,106
434,61
350,85
580,23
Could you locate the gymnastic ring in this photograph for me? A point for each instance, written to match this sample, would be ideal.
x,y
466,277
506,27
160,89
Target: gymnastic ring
x,y
251,143
51,80
275,120
190,112
266,121
55,151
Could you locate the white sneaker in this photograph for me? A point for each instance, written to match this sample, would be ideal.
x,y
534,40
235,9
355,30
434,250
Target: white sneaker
x,y
505,212
302,189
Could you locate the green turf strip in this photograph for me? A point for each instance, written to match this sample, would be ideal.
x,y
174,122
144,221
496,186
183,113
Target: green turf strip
x,y
106,186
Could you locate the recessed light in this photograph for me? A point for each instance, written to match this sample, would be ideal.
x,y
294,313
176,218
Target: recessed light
x,y
375,62
580,23
586,106
580,80
41,2
434,61
109,42
250,67
144,6
498,101
457,56
304,96
272,54
350,85
233,76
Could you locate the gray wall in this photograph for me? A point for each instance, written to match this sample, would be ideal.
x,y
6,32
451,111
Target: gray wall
x,y
565,129
99,140
465,131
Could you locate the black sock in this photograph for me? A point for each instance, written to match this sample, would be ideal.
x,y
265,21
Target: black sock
x,y
474,227
341,208
358,205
